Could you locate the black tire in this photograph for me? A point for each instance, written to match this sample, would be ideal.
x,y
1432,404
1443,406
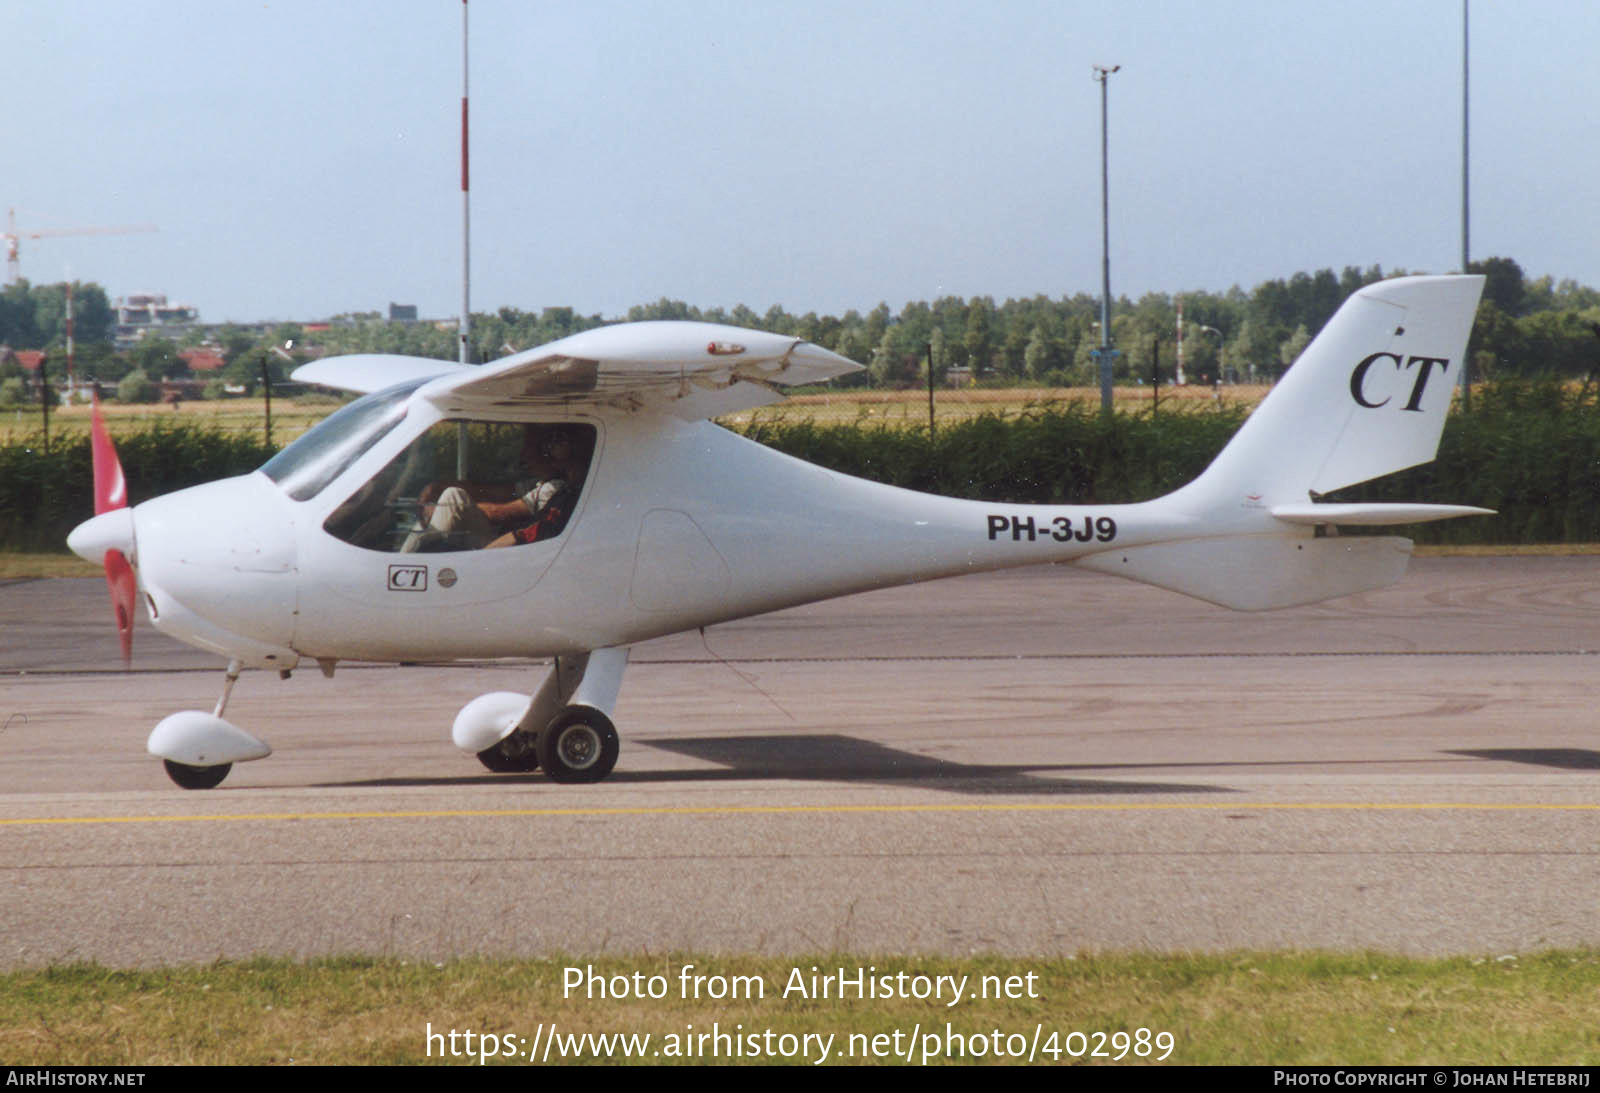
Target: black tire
x,y
579,745
196,777
516,754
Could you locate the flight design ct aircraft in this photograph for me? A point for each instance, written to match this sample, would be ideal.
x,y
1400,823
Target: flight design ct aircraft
x,y
566,502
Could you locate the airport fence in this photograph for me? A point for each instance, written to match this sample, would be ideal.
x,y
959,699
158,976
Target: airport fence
x,y
1528,449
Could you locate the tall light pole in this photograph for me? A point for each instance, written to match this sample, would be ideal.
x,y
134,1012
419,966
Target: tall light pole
x,y
1466,362
1222,371
464,332
1105,354
1466,249
464,328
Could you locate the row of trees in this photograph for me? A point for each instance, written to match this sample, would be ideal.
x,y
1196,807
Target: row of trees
x,y
1524,327
35,316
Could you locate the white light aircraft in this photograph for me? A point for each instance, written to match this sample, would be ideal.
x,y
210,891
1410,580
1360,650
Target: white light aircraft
x,y
566,502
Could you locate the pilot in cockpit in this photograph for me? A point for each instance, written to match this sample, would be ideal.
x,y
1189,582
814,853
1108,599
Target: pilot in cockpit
x,y
468,515
568,459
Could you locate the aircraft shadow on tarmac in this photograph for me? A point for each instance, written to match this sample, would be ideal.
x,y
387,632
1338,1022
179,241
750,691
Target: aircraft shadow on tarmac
x,y
836,758
1558,758
822,757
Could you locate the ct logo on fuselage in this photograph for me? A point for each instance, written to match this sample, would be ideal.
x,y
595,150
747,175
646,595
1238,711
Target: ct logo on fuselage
x,y
408,578
1364,388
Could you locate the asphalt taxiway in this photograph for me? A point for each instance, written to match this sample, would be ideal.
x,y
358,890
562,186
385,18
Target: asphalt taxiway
x,y
1040,761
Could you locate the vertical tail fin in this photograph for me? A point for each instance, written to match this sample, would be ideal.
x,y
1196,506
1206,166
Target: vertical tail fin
x,y
1366,398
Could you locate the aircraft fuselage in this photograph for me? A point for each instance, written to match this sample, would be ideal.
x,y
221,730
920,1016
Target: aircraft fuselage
x,y
679,525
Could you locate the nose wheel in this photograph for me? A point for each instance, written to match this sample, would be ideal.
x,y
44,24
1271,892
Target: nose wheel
x,y
196,777
579,745
198,749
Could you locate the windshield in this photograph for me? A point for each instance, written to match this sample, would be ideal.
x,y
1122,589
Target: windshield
x,y
319,456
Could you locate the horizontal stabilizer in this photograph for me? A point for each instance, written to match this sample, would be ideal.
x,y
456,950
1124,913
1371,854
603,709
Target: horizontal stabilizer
x,y
1261,572
1373,515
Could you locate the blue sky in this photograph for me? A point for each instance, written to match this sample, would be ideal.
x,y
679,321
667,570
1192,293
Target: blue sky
x,y
300,157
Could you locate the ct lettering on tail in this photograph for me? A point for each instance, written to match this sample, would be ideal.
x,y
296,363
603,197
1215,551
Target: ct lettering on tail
x,y
1424,366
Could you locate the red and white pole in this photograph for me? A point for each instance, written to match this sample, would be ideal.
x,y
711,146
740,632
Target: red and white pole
x,y
72,372
465,328
1178,376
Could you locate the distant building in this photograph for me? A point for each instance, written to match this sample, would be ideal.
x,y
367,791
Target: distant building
x,y
145,311
402,313
26,359
203,360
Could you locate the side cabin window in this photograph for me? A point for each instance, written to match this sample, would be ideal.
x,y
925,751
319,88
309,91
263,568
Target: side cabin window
x,y
471,485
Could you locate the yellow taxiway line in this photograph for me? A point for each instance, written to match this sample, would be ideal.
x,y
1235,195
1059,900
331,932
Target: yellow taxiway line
x,y
771,810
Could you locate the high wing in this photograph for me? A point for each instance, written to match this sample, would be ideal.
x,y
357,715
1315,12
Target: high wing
x,y
365,373
691,370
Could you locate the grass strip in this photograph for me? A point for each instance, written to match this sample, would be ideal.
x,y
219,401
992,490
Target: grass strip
x,y
1239,1008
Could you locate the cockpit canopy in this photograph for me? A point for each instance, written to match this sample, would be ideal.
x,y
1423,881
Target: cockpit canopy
x,y
466,485
460,485
324,452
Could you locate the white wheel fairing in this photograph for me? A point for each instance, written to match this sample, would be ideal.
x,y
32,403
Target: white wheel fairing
x,y
194,738
487,720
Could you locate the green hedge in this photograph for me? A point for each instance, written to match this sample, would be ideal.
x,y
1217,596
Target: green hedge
x,y
45,494
1529,449
1064,452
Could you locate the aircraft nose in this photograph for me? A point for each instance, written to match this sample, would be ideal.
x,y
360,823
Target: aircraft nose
x,y
112,530
225,553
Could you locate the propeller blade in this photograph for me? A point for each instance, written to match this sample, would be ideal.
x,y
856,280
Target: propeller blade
x,y
111,492
110,488
121,581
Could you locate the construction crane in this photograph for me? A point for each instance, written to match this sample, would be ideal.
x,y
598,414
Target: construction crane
x,y
14,237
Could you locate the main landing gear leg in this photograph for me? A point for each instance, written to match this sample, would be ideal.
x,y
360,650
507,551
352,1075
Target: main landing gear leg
x,y
564,727
580,743
502,728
